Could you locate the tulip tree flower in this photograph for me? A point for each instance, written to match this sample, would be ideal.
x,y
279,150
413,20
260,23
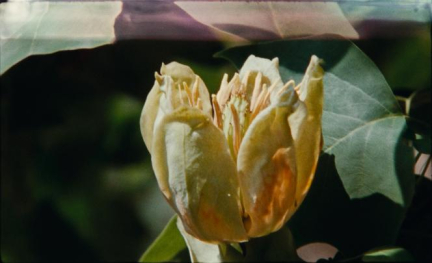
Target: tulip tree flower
x,y
237,164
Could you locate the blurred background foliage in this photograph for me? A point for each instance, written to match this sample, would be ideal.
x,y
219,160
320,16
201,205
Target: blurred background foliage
x,y
76,178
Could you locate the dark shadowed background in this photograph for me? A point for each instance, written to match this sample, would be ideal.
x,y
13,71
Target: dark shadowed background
x,y
76,178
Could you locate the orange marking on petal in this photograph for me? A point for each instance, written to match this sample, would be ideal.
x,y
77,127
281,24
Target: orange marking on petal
x,y
276,198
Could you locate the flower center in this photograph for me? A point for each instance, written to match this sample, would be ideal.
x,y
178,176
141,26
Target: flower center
x,y
238,103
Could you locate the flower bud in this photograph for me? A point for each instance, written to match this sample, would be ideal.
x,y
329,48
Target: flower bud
x,y
237,165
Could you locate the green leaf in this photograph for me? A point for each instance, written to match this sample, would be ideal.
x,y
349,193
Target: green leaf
x,y
31,28
166,246
362,121
413,51
363,131
394,254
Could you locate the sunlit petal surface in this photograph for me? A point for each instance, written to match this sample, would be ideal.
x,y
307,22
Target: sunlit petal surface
x,y
197,175
239,165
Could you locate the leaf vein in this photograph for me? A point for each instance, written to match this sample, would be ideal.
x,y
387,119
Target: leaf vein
x,y
329,74
37,29
346,116
274,20
359,128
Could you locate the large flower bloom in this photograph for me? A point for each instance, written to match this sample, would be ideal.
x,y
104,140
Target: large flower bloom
x,y
237,164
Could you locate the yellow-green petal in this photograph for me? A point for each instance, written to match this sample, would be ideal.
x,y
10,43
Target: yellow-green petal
x,y
267,171
305,123
198,176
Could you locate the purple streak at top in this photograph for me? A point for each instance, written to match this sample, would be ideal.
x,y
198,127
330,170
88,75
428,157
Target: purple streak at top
x,y
265,20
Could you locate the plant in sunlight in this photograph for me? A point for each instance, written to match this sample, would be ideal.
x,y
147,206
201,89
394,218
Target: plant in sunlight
x,y
236,165
277,139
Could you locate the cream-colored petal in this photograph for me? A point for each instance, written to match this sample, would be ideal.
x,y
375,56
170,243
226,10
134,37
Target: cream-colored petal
x,y
200,251
267,172
204,95
168,94
197,175
178,72
268,68
149,114
305,123
183,74
162,99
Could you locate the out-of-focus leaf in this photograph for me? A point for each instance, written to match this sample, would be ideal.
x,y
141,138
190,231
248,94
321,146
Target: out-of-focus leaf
x,y
413,51
363,129
166,246
162,20
387,17
271,19
31,28
416,11
394,254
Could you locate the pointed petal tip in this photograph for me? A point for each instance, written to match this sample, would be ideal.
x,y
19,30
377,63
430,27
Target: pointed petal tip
x,y
275,62
163,69
316,61
158,78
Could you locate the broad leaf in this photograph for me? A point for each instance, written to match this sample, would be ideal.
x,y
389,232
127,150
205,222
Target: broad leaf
x,y
363,129
166,246
270,19
30,28
391,254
